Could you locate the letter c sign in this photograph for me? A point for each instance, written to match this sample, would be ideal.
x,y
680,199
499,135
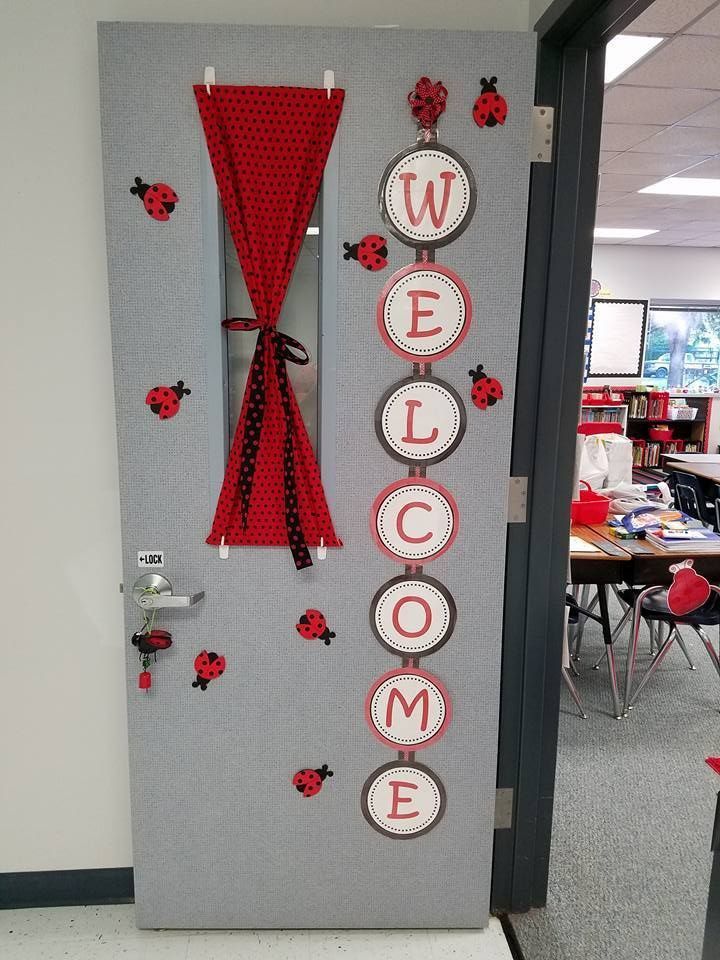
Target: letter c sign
x,y
413,521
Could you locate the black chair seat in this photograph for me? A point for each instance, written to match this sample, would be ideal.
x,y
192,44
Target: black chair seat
x,y
655,607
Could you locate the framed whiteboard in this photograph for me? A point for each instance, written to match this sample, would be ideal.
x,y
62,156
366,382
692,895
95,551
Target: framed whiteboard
x,y
618,338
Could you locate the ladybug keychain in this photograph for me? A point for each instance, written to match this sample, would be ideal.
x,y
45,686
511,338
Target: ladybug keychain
x,y
148,641
165,401
313,626
310,782
159,199
486,390
490,107
370,252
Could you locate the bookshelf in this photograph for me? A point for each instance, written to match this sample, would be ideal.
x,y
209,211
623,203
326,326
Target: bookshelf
x,y
654,413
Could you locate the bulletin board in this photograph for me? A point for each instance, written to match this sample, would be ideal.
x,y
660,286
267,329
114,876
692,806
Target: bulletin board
x,y
617,337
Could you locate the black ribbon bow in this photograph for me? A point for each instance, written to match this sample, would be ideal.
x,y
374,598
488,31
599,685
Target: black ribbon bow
x,y
285,349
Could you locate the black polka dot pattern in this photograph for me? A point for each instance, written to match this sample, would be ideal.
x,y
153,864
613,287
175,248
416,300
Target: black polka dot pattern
x,y
268,147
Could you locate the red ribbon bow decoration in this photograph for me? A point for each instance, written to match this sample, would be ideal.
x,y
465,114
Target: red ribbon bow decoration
x,y
268,160
427,101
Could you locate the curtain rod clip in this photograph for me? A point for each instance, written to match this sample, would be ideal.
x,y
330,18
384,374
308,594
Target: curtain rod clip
x,y
329,81
209,78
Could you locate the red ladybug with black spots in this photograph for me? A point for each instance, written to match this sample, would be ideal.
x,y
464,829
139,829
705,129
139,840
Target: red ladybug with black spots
x,y
309,782
490,107
208,666
159,199
148,642
486,390
313,626
370,253
165,401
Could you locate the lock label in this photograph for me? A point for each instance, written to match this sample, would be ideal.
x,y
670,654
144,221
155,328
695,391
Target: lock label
x,y
151,558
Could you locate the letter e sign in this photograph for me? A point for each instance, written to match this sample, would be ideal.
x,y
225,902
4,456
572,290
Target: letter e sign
x,y
403,799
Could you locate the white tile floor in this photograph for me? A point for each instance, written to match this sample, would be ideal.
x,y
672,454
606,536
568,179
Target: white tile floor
x,y
109,933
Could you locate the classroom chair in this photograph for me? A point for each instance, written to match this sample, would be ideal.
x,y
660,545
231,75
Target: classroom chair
x,y
651,605
690,497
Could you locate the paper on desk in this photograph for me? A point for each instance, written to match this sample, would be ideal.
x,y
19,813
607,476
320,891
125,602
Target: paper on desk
x,y
578,545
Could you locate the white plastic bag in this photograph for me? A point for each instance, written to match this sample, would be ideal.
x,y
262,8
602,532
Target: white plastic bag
x,y
594,462
619,454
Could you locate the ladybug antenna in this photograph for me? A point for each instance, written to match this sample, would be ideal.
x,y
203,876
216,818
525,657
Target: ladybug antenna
x,y
323,772
477,374
493,80
140,188
180,390
483,81
351,251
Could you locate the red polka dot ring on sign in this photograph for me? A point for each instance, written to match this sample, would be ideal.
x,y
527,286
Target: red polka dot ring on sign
x,y
420,420
424,312
413,615
408,709
414,521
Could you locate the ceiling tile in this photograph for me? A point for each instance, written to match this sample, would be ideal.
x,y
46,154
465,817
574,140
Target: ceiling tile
x,y
708,168
625,104
710,241
707,117
694,142
608,197
607,155
683,62
657,164
622,136
709,25
616,182
668,16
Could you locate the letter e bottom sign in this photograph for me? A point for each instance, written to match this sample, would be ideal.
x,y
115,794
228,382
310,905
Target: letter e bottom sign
x,y
403,799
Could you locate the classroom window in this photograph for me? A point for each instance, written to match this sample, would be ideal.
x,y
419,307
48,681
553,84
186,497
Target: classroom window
x,y
299,319
683,347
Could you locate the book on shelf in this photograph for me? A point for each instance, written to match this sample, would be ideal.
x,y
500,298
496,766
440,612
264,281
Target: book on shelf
x,y
637,408
601,415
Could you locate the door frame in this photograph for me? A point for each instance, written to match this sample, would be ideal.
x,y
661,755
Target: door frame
x,y
572,35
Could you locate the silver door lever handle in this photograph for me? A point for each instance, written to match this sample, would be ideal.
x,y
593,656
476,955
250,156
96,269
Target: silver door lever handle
x,y
154,592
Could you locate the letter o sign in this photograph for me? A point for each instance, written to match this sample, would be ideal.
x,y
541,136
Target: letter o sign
x,y
413,521
407,709
412,616
403,799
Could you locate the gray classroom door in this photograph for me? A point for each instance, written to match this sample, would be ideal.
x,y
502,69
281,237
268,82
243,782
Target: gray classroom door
x,y
400,836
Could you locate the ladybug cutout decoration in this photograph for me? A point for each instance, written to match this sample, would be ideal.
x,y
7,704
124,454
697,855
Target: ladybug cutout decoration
x,y
688,591
486,390
165,401
158,198
313,626
208,666
370,253
309,782
490,107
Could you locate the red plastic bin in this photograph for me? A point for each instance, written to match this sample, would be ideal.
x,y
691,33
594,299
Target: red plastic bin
x,y
592,507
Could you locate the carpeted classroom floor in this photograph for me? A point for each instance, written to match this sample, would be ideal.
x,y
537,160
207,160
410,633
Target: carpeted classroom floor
x,y
634,809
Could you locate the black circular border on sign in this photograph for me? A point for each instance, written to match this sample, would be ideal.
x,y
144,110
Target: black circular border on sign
x,y
425,461
389,766
398,234
431,581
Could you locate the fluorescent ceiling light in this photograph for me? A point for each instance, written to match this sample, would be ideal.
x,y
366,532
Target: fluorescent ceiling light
x,y
621,233
685,187
313,231
625,50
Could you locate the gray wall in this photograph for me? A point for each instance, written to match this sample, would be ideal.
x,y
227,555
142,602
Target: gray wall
x,y
220,837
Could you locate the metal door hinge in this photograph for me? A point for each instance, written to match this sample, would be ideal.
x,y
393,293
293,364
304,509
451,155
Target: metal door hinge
x,y
517,499
503,808
541,135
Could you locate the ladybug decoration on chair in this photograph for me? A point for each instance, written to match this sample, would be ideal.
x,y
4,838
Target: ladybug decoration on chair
x,y
158,198
490,107
688,591
165,401
370,253
309,782
486,390
208,666
313,626
148,642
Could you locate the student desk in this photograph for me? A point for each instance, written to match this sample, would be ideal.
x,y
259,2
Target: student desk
x,y
705,470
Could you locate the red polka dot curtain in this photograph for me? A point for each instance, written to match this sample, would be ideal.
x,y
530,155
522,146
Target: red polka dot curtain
x,y
268,147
